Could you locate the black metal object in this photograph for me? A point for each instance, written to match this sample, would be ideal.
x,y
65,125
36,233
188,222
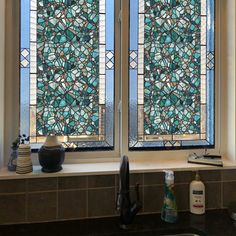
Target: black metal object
x,y
127,209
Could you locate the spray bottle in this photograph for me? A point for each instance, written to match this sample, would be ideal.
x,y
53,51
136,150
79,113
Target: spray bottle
x,y
169,210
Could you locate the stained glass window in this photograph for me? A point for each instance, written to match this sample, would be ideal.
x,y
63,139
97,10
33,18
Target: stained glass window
x,y
171,74
67,71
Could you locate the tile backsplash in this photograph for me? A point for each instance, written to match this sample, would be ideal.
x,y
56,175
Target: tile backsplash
x,y
66,198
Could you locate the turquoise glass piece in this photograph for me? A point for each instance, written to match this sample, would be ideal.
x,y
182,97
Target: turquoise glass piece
x,y
67,39
176,71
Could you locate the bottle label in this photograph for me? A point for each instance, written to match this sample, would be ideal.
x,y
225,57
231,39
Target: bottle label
x,y
198,206
198,200
198,192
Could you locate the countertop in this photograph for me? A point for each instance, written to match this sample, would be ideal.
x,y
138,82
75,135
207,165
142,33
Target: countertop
x,y
104,167
213,223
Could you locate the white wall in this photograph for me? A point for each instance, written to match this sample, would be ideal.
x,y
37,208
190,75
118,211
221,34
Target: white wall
x,y
227,62
11,110
2,74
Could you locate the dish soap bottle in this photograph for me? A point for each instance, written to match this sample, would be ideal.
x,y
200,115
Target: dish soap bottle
x,y
169,210
197,196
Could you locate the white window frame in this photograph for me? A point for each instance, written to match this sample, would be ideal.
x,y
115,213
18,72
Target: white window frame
x,y
220,94
225,142
2,82
12,85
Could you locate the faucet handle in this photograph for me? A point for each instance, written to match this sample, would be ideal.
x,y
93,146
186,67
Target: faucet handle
x,y
137,205
118,202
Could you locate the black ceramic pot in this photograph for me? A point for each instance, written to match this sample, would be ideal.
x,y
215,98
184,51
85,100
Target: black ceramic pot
x,y
51,158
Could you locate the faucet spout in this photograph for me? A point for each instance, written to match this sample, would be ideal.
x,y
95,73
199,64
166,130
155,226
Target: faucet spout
x,y
127,209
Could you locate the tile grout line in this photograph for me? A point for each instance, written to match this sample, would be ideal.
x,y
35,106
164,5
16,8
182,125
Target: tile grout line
x,y
142,210
221,190
229,181
10,194
35,192
26,201
222,195
57,199
116,193
87,197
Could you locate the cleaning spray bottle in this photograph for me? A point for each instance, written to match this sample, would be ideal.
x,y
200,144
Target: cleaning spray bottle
x,y
169,210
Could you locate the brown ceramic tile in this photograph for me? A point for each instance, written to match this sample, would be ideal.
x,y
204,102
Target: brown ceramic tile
x,y
153,198
184,176
42,206
12,208
72,204
228,175
210,175
182,196
101,202
12,186
136,178
133,179
41,184
213,195
229,193
117,186
99,181
154,178
73,182
117,180
133,196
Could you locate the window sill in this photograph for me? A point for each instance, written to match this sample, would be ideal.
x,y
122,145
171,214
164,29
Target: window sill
x,y
107,168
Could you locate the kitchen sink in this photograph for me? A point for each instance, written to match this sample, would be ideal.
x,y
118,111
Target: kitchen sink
x,y
187,234
163,232
183,233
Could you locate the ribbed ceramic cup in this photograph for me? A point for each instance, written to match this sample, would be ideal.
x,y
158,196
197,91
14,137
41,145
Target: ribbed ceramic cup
x,y
24,162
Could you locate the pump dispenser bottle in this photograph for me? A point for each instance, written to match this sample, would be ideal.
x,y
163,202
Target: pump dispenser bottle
x,y
197,196
169,210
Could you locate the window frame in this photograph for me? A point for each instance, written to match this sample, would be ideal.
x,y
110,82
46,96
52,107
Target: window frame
x,y
165,153
2,82
224,111
85,145
13,46
156,145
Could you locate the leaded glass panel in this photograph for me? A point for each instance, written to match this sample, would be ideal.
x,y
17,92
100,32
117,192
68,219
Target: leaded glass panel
x,y
171,74
67,71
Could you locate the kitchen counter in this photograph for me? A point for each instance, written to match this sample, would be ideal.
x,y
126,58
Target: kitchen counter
x,y
213,223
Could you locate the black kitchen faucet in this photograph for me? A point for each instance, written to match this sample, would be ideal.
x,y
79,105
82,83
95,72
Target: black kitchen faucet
x,y
127,209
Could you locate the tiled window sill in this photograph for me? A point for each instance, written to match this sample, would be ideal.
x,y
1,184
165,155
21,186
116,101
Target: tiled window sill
x,y
105,168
